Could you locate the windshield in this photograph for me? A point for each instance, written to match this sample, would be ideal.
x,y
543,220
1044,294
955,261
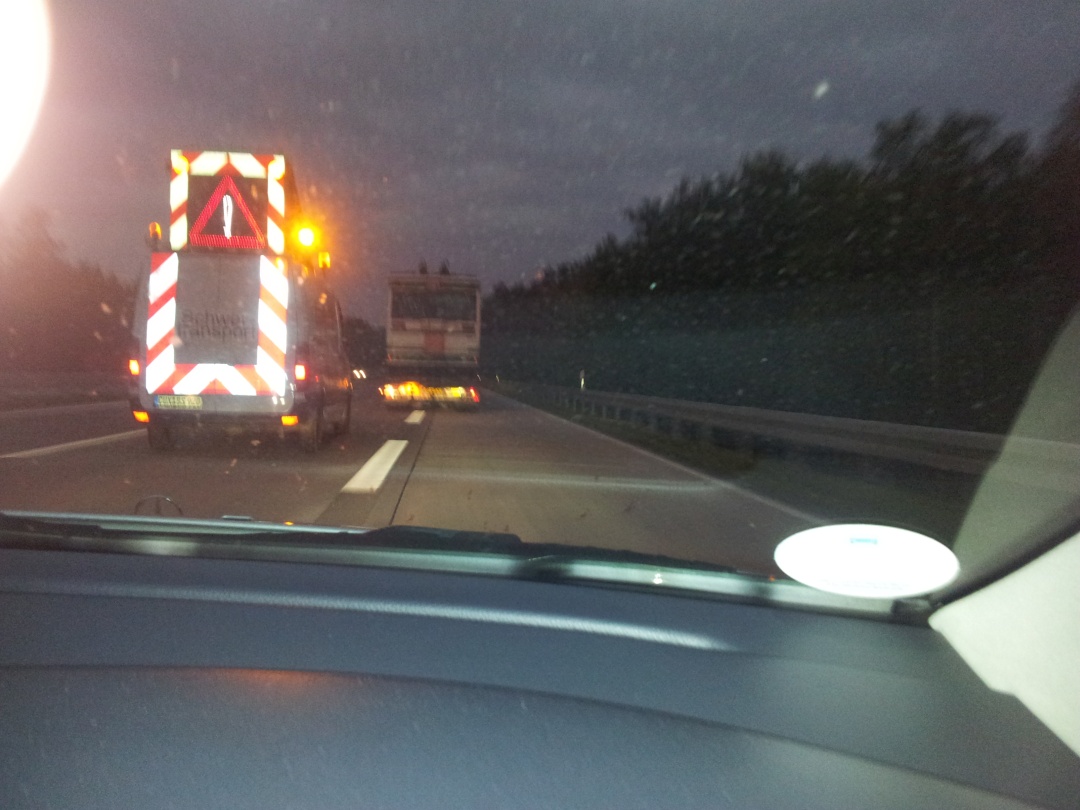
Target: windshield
x,y
423,305
746,269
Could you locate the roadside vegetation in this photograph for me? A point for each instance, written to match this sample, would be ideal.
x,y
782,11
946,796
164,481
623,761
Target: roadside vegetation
x,y
921,284
57,315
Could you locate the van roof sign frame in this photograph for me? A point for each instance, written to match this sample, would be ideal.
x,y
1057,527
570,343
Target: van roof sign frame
x,y
189,231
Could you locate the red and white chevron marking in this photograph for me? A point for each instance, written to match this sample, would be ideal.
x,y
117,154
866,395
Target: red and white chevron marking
x,y
267,377
241,164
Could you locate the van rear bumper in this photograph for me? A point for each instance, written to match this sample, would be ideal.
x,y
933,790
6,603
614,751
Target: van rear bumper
x,y
223,412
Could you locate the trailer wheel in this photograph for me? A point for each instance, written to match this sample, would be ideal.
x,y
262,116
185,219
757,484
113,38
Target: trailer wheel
x,y
157,433
346,421
313,434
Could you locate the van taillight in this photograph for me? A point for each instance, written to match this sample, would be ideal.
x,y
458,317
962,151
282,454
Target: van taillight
x,y
300,372
133,367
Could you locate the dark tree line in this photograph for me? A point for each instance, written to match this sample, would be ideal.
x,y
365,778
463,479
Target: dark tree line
x,y
923,283
56,315
365,344
951,203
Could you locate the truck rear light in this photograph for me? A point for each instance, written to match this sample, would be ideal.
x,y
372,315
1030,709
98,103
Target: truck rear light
x,y
133,367
141,416
300,372
475,396
290,420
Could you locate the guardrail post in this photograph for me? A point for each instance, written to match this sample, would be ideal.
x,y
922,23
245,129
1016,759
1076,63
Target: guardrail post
x,y
742,444
689,429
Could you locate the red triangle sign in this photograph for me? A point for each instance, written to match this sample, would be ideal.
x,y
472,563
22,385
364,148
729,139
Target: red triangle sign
x,y
232,205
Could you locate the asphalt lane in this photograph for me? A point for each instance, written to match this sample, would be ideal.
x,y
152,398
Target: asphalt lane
x,y
44,427
512,468
506,468
210,476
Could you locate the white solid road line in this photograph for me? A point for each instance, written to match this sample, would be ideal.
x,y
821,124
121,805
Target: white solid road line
x,y
414,418
63,410
76,445
371,476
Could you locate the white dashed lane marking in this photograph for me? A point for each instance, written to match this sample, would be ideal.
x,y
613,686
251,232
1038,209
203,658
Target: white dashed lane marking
x,y
371,476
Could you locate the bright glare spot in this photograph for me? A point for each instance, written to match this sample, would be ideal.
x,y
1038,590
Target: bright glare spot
x,y
169,548
306,236
657,579
877,562
24,64
821,90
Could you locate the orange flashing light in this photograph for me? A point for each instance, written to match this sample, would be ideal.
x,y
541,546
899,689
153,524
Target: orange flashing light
x,y
300,372
180,164
290,420
306,236
133,367
141,416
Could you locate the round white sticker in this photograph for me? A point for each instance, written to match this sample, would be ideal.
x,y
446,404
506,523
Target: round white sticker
x,y
862,559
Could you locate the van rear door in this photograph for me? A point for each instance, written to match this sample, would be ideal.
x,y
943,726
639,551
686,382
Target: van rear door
x,y
217,334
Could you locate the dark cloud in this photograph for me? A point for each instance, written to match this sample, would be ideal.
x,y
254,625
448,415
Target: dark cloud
x,y
499,135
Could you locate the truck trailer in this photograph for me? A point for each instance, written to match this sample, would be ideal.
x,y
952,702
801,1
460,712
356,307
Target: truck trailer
x,y
432,341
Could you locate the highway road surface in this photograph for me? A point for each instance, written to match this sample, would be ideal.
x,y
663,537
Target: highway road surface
x,y
505,468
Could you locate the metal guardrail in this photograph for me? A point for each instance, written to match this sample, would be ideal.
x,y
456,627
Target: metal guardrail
x,y
757,431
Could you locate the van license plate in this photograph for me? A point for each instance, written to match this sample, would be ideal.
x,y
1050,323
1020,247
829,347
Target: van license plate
x,y
184,403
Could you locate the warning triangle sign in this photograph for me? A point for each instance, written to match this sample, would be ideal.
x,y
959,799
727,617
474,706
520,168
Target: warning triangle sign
x,y
226,221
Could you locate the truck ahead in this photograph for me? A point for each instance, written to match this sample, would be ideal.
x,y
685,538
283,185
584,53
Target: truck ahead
x,y
235,326
433,340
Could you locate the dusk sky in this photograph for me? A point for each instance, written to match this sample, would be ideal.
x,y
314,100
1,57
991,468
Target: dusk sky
x,y
499,136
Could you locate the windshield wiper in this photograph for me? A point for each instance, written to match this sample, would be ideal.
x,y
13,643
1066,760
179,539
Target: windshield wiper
x,y
419,548
18,528
537,560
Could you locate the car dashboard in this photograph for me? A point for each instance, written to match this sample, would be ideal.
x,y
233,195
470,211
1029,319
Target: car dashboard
x,y
159,681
